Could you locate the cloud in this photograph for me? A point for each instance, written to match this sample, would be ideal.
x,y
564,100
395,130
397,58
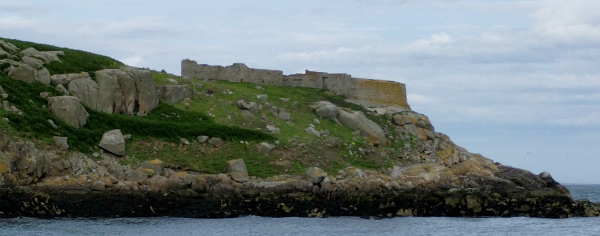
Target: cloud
x,y
133,60
568,21
419,99
591,119
17,23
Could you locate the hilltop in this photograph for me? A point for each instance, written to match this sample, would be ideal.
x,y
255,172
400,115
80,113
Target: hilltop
x,y
85,127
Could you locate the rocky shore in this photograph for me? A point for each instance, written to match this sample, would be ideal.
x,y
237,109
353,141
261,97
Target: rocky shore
x,y
80,187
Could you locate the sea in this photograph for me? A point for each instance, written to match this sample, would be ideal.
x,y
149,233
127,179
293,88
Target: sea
x,y
347,226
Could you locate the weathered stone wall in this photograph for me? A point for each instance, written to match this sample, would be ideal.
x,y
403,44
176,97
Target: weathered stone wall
x,y
387,92
378,91
238,72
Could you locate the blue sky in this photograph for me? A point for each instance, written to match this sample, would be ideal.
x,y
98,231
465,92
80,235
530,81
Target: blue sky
x,y
517,81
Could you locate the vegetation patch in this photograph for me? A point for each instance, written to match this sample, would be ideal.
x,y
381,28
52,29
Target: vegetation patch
x,y
166,122
74,61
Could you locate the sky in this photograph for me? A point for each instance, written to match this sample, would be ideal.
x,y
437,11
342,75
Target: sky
x,y
517,81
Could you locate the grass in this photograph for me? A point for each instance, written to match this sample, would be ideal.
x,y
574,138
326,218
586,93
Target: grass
x,y
74,61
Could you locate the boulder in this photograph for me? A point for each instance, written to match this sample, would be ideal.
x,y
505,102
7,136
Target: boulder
x,y
61,142
43,75
61,88
46,56
86,90
358,121
33,62
184,141
284,116
317,176
112,167
113,142
202,138
173,93
159,183
65,79
22,72
237,170
327,110
216,142
155,165
273,129
313,131
251,106
9,47
266,148
147,99
69,110
116,92
136,176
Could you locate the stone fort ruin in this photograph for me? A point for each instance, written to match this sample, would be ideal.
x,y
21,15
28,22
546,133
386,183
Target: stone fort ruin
x,y
376,91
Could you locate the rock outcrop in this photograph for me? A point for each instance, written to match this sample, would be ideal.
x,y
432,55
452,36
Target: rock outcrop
x,y
69,110
126,90
352,119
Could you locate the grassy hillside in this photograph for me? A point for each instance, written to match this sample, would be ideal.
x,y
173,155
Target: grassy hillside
x,y
212,112
74,61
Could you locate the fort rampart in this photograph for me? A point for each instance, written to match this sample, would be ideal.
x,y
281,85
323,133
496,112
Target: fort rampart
x,y
378,91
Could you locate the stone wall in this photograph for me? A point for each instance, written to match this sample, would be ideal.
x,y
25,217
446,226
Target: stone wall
x,y
387,92
378,91
238,72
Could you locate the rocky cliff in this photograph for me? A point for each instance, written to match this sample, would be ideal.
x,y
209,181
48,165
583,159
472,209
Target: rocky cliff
x,y
324,156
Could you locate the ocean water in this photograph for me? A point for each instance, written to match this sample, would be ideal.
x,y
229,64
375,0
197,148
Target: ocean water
x,y
348,226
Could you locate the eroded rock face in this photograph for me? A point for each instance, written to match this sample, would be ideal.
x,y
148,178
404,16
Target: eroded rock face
x,y
113,142
69,110
127,91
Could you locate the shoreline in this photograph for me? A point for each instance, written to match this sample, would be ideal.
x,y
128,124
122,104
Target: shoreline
x,y
299,200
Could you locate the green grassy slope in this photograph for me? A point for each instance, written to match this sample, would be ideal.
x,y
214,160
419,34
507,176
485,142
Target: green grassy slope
x,y
157,135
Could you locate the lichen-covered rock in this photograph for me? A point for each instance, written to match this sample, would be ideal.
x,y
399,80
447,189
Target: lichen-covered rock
x,y
113,142
69,110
